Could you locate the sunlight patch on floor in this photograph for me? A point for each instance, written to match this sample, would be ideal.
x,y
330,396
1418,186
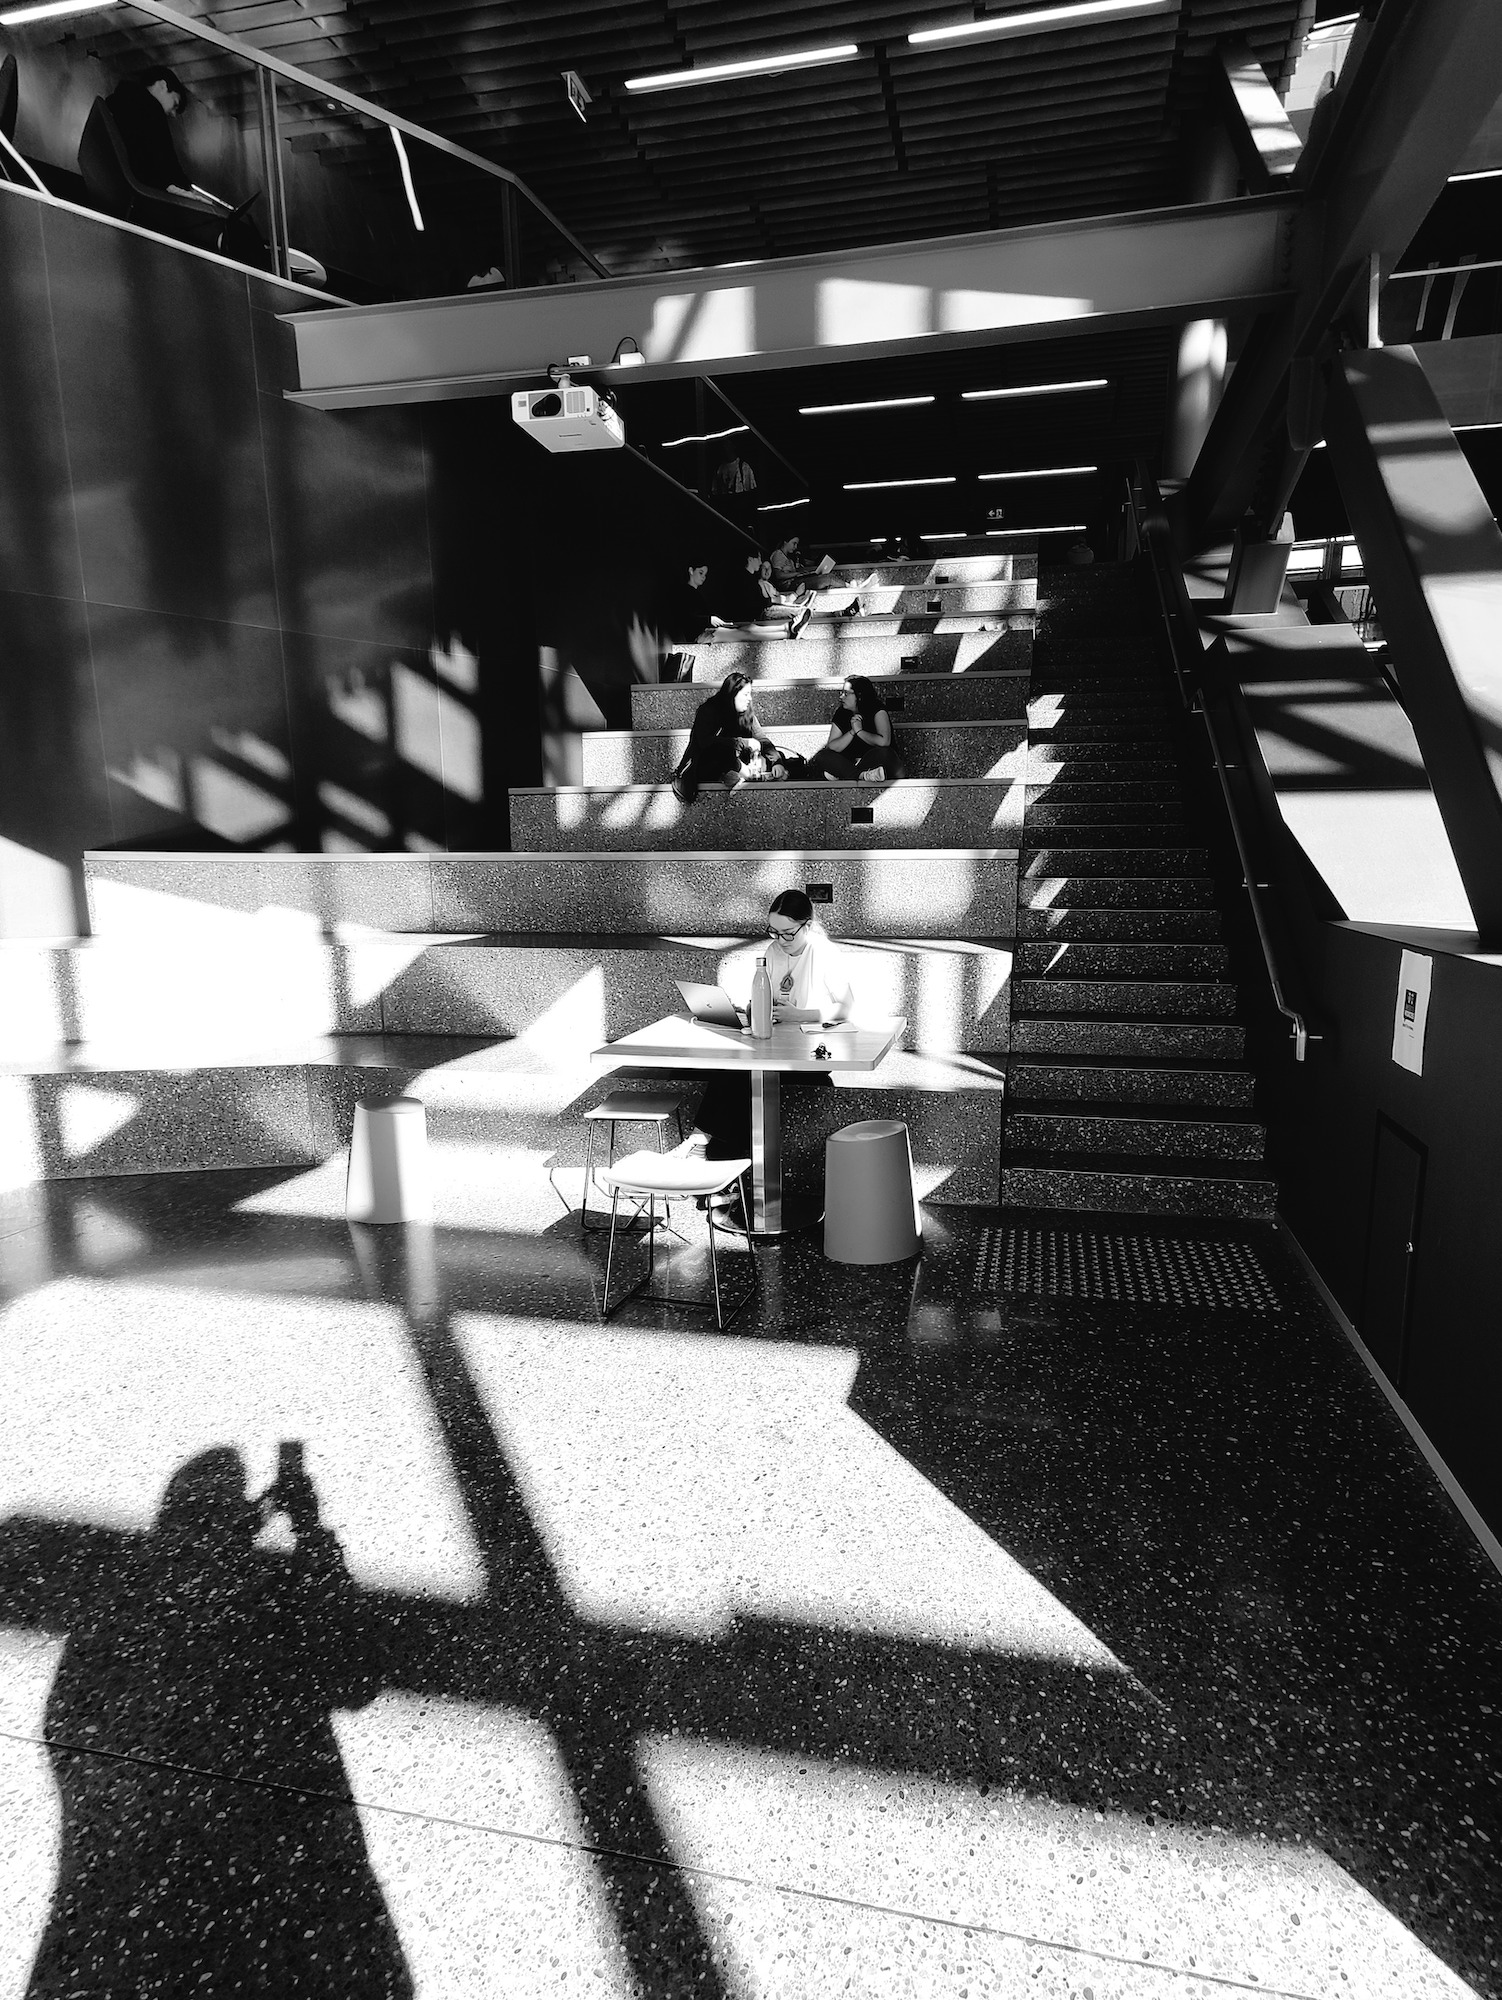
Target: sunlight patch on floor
x,y
680,1482
111,1386
1198,1901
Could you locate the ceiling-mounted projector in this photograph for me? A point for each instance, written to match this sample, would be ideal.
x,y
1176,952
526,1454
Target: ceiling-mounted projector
x,y
569,417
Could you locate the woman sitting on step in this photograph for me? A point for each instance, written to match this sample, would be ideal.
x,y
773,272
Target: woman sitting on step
x,y
860,738
725,723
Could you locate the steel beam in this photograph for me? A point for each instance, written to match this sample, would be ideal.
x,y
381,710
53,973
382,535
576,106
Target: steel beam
x,y
1014,284
1434,555
1425,84
1466,375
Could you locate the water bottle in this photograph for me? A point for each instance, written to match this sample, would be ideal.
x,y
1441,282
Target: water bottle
x,y
761,1002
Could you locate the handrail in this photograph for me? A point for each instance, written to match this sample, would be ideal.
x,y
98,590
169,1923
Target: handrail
x,y
337,94
1302,1034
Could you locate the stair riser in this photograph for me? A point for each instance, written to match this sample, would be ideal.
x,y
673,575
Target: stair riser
x,y
1060,960
1120,926
926,698
1043,892
1158,1139
927,750
1127,861
1124,999
1141,1040
1130,1194
1225,1090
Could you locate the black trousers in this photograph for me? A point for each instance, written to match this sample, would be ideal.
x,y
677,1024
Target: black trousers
x,y
725,1109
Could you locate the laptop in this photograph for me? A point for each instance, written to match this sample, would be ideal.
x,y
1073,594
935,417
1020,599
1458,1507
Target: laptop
x,y
709,1003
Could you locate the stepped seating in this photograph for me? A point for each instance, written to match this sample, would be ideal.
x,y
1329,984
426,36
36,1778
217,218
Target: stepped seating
x,y
875,647
914,698
174,999
1127,1090
906,813
276,899
928,750
923,600
1019,562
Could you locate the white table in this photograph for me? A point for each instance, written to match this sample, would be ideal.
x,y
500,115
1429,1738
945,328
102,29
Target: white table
x,y
680,1042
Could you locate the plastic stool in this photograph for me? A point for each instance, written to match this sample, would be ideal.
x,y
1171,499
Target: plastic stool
x,y
390,1178
624,1107
676,1176
870,1210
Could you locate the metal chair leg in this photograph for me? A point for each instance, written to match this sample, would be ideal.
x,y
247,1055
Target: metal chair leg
x,y
714,1272
589,1177
615,1199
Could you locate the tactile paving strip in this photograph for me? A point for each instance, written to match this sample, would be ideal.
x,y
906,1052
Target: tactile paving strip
x,y
1124,1267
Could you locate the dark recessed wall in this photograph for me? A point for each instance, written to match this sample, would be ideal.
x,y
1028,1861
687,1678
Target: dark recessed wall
x,y
229,620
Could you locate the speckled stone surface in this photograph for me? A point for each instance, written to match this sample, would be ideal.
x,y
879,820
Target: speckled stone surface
x,y
927,750
867,646
909,1639
1181,1138
1119,1186
1066,958
1202,1041
920,893
143,896
1128,1083
1121,787
945,697
908,813
1129,862
1175,998
1145,926
1044,891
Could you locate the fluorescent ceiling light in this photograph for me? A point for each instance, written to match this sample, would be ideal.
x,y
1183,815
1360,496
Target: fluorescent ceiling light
x,y
1475,427
1480,174
882,403
777,506
1033,389
401,154
1040,21
949,535
1042,472
686,79
873,485
48,10
1073,528
708,437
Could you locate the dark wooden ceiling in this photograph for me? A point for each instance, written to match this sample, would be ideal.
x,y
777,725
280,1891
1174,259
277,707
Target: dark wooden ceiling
x,y
897,143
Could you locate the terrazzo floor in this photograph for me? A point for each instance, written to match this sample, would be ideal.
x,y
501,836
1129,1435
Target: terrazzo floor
x,y
907,1638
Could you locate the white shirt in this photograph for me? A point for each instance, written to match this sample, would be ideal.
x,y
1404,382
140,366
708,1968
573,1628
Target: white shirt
x,y
815,978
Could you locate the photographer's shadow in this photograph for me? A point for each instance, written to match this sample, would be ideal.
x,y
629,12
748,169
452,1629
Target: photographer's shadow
x,y
207,1844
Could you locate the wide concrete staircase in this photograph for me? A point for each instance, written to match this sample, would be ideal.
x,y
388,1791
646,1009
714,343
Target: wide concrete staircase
x,y
1129,1089
1031,897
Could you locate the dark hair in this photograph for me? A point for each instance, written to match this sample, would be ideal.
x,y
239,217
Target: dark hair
x,y
868,700
715,721
791,903
159,73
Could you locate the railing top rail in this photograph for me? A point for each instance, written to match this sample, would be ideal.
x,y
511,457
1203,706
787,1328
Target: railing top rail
x,y
337,94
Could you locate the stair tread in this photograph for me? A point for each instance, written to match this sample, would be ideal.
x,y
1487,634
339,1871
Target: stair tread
x,y
1132,1166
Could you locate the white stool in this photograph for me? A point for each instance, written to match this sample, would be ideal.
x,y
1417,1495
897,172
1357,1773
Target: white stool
x,y
665,1177
870,1210
390,1179
624,1107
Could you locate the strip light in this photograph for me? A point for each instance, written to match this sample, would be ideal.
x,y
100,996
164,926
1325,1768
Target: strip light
x,y
1480,174
1073,528
881,403
406,167
949,535
1034,389
877,485
48,10
687,79
778,506
1042,472
708,437
1040,20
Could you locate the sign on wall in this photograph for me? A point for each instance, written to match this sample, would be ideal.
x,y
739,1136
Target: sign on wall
x,y
1411,1015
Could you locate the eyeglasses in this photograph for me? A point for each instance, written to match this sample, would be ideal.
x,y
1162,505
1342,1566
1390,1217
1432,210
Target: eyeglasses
x,y
783,936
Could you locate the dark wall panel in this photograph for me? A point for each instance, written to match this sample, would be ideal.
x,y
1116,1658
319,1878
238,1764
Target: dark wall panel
x,y
1326,1122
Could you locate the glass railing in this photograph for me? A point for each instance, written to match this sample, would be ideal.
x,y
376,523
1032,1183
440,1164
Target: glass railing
x,y
275,166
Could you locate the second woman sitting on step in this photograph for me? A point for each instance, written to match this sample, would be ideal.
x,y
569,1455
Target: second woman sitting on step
x,y
860,738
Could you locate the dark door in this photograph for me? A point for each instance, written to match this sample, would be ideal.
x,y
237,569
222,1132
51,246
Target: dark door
x,y
1392,1248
